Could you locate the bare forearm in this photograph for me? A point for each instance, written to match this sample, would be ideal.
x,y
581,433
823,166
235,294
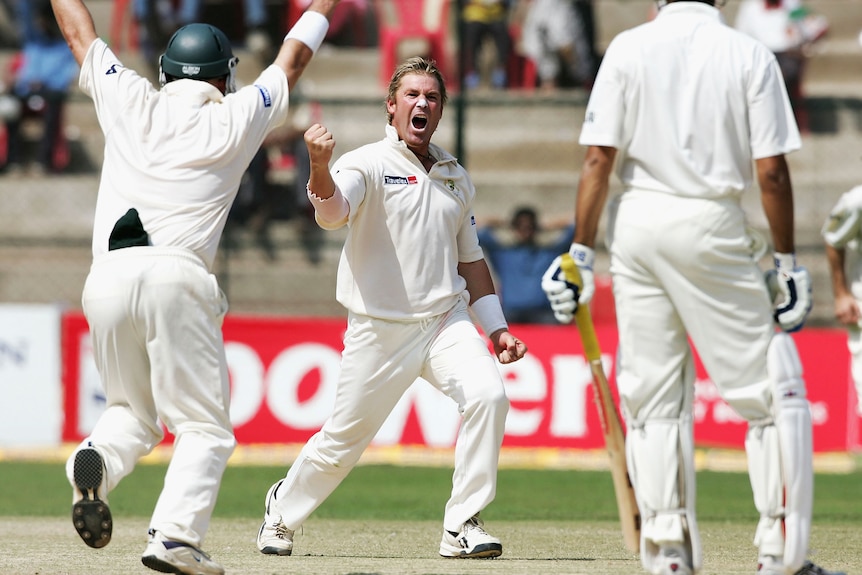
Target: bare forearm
x,y
76,24
294,56
777,198
478,278
320,181
837,275
592,193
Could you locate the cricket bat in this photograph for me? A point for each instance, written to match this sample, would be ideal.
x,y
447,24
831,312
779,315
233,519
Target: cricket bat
x,y
630,518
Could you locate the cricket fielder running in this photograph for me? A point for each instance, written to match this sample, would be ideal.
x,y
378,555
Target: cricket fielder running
x,y
174,158
683,104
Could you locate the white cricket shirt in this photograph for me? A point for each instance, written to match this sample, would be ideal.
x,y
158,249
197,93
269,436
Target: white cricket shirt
x,y
688,102
852,244
408,230
177,154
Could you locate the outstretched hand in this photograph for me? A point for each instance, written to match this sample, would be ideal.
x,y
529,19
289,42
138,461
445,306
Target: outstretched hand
x,y
507,347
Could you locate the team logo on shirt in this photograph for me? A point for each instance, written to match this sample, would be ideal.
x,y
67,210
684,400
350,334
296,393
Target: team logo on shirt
x,y
264,93
113,69
400,180
450,184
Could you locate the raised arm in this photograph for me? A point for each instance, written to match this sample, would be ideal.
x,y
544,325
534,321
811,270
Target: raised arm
x,y
76,24
304,39
331,208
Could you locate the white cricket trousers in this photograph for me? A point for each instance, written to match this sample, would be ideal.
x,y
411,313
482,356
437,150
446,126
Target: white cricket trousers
x,y
683,268
155,317
381,359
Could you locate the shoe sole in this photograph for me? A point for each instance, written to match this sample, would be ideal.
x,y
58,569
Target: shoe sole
x,y
485,551
161,566
91,516
269,550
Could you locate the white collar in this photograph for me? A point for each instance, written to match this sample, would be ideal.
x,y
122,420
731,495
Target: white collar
x,y
439,153
691,8
203,92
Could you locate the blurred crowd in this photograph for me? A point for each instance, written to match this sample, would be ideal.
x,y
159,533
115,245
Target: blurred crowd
x,y
544,45
34,85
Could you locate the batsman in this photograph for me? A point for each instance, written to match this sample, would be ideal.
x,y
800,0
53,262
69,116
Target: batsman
x,y
692,113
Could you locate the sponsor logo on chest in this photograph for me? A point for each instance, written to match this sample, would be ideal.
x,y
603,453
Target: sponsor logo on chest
x,y
412,180
400,180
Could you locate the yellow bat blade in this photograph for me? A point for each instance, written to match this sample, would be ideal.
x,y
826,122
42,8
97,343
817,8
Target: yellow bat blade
x,y
612,428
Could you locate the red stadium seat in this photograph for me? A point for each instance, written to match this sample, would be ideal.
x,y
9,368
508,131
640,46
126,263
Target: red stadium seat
x,y
400,20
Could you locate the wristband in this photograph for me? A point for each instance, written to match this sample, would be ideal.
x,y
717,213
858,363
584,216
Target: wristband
x,y
584,256
489,314
310,29
786,262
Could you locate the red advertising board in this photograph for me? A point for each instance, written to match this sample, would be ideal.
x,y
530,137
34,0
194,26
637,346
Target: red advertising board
x,y
284,372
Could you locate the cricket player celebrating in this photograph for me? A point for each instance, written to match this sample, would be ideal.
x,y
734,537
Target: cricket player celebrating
x,y
174,158
410,266
683,104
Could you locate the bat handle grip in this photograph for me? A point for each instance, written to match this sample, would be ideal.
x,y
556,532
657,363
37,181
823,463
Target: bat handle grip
x,y
592,351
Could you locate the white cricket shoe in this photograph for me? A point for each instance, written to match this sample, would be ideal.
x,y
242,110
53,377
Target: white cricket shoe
x,y
672,561
168,556
471,542
769,565
91,515
274,538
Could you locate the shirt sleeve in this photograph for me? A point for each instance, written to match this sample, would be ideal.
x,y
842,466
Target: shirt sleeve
x,y
349,177
469,249
771,121
110,84
603,121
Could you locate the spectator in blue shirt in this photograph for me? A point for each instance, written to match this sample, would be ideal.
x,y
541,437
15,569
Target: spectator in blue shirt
x,y
41,82
518,264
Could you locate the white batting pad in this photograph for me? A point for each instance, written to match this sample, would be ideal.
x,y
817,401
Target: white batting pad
x,y
654,452
689,489
767,485
780,460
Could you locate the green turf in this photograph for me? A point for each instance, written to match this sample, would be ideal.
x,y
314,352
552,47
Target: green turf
x,y
418,493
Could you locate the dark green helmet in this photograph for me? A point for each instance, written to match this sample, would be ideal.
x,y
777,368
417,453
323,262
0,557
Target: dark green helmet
x,y
198,52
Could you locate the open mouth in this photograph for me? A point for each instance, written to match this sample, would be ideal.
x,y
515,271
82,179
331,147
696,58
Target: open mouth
x,y
419,122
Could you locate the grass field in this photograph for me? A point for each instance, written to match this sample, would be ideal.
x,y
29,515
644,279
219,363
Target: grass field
x,y
386,520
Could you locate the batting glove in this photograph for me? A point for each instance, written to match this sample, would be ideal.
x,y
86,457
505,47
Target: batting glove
x,y
564,296
790,289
